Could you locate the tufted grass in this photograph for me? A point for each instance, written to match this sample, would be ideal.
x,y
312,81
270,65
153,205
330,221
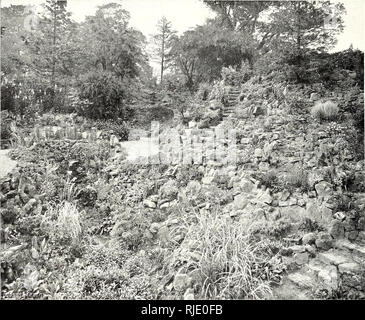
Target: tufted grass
x,y
325,111
230,264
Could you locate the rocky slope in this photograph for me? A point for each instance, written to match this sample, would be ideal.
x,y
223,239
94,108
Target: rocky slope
x,y
297,186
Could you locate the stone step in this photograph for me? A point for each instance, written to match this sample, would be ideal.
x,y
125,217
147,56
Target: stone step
x,y
326,275
302,279
335,257
287,290
357,250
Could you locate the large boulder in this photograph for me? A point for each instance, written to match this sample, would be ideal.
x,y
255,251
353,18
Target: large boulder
x,y
337,229
324,190
169,190
324,241
319,212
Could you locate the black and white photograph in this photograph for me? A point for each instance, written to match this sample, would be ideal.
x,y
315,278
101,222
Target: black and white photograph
x,y
182,150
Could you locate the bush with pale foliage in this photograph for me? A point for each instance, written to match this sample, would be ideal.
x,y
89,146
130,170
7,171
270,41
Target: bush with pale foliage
x,y
325,111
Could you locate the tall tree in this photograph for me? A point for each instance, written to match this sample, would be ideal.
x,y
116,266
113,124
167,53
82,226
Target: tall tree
x,y
302,28
13,41
307,24
108,43
113,62
200,54
52,48
295,24
163,41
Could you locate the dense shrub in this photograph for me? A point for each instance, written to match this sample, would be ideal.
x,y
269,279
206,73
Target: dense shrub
x,y
6,120
297,178
110,272
104,95
269,179
203,91
8,101
117,126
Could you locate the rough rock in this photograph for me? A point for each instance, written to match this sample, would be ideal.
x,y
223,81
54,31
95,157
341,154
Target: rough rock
x,y
324,189
265,197
154,227
301,280
319,212
333,257
189,294
309,238
169,190
301,258
258,153
182,282
240,202
337,229
163,234
329,277
314,96
349,267
294,213
149,204
246,185
324,241
339,216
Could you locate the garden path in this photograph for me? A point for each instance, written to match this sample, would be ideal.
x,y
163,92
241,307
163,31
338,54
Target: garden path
x,y
140,148
6,164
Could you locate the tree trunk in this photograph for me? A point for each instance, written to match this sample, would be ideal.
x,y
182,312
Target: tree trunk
x,y
299,41
53,80
162,53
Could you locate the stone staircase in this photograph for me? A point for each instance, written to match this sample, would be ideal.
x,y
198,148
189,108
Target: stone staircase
x,y
233,95
342,268
228,109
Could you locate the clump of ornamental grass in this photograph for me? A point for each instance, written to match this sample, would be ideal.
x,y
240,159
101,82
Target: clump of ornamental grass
x,y
68,221
230,263
325,111
63,223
